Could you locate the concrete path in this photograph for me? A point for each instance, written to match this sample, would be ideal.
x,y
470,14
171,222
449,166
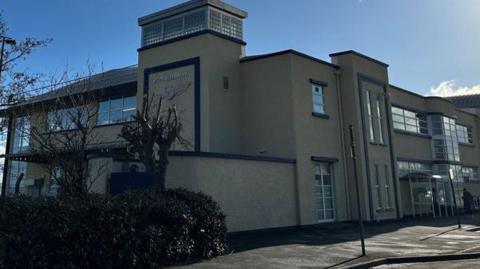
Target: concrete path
x,y
338,246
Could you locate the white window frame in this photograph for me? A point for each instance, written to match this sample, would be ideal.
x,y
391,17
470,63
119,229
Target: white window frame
x,y
380,119
368,103
319,172
318,91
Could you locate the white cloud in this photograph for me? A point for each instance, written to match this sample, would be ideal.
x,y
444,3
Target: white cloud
x,y
450,88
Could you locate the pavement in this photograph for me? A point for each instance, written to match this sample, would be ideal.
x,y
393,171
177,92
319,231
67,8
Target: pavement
x,y
338,246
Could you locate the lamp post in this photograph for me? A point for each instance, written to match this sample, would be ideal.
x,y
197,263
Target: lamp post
x,y
450,177
12,42
8,41
357,188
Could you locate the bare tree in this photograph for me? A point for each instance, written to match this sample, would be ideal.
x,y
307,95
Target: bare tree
x,y
154,130
68,135
17,84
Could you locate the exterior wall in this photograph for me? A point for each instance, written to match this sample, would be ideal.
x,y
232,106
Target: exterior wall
x,y
317,137
219,108
267,97
408,145
252,194
357,75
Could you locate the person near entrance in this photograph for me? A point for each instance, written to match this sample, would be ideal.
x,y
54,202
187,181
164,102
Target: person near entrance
x,y
467,202
436,207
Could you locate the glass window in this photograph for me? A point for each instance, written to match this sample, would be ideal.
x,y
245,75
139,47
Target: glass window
x,y
378,187
324,193
15,169
464,134
388,189
318,99
192,22
470,174
117,110
172,28
380,119
370,115
445,138
53,185
21,134
409,121
67,119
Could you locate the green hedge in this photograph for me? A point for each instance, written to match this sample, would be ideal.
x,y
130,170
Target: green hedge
x,y
133,230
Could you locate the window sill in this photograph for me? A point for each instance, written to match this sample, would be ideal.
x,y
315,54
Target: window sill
x,y
320,115
388,209
113,124
378,144
60,131
413,134
466,144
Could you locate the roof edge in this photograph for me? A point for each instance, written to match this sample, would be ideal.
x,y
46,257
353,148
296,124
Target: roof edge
x,y
190,5
359,55
283,52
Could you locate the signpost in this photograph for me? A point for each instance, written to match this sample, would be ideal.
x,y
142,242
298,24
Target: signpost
x,y
357,187
450,177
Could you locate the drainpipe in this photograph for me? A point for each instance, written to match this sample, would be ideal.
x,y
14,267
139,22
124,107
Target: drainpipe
x,y
342,141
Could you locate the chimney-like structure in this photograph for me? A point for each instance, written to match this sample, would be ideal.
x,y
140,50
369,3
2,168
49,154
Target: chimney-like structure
x,y
191,17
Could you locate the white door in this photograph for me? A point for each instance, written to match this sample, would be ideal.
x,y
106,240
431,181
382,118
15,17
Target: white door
x,y
324,193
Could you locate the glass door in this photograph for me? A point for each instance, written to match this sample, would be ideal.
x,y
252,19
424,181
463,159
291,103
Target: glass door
x,y
324,193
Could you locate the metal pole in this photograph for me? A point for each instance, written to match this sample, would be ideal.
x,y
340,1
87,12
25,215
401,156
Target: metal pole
x,y
357,187
1,57
450,176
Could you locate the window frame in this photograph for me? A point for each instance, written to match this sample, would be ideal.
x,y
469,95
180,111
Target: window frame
x,y
21,137
67,124
403,121
380,117
464,134
320,176
368,103
321,95
121,109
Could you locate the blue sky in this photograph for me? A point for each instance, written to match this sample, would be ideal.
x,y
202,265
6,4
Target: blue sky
x,y
428,44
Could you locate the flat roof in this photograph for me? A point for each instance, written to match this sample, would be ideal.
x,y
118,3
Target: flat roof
x,y
190,5
289,51
360,55
459,108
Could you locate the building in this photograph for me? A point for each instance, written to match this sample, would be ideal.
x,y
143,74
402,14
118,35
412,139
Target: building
x,y
270,133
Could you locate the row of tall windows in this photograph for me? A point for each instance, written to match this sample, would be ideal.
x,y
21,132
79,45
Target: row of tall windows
x,y
374,106
383,187
445,139
409,121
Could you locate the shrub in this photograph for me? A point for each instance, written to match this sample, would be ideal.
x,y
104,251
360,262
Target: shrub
x,y
142,229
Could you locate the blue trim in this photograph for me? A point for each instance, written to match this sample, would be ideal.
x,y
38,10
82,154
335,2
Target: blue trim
x,y
412,133
320,115
197,80
231,156
413,160
318,82
324,159
162,43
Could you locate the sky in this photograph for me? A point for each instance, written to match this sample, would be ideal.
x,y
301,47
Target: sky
x,y
432,46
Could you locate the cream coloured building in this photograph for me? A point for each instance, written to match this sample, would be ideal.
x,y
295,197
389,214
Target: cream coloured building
x,y
269,133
